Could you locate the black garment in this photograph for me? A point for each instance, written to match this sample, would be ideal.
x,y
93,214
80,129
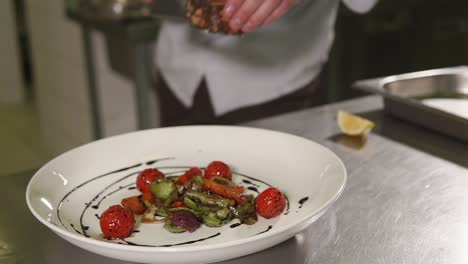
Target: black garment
x,y
174,113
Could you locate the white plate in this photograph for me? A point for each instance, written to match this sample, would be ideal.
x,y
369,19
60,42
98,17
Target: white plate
x,y
64,193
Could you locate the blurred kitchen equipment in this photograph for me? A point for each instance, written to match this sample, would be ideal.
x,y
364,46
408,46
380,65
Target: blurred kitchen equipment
x,y
127,10
130,28
436,99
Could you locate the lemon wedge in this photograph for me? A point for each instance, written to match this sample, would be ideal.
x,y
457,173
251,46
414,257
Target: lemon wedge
x,y
353,125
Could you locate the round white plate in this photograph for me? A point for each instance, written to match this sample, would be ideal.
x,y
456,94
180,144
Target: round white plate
x,y
70,192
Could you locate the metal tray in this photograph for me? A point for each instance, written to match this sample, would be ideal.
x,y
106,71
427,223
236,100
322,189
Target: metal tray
x,y
436,99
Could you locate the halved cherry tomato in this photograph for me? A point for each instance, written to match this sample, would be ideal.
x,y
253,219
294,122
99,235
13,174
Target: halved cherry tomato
x,y
219,169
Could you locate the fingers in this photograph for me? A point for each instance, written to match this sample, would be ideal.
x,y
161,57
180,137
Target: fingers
x,y
247,15
231,7
260,15
280,11
240,18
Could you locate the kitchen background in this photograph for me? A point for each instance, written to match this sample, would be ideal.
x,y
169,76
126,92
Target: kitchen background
x,y
63,83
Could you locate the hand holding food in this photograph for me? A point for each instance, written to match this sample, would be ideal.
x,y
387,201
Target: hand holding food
x,y
247,15
235,16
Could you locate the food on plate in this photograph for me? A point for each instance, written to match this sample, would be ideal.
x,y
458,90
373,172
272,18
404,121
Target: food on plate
x,y
353,125
183,203
207,14
270,203
117,222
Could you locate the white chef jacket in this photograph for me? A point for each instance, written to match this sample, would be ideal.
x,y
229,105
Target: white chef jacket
x,y
258,67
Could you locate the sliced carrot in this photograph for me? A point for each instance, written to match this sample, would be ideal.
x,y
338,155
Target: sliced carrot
x,y
230,192
134,204
228,183
239,188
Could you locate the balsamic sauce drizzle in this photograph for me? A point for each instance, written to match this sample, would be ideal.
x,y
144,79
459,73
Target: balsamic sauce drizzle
x,y
97,196
264,231
302,201
235,225
151,162
253,182
287,204
76,230
254,189
252,179
86,182
96,206
172,245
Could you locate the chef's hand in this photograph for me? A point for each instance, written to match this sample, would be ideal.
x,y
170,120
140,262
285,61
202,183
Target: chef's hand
x,y
247,15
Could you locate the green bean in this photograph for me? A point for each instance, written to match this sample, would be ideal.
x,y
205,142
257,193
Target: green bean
x,y
246,212
197,206
211,220
209,200
223,213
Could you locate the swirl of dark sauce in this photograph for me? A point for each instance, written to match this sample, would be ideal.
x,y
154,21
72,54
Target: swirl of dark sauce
x,y
235,225
151,162
87,205
87,182
264,231
302,201
84,228
170,245
250,183
96,206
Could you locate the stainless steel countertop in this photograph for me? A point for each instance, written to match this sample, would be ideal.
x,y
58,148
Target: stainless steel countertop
x,y
406,200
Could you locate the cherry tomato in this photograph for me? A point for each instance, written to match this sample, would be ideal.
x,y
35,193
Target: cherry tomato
x,y
117,222
146,178
219,169
270,203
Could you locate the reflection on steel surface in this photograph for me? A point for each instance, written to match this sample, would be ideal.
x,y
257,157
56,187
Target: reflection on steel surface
x,y
406,95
